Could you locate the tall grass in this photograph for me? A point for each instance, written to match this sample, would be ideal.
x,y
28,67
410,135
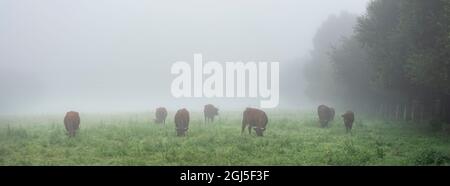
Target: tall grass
x,y
291,139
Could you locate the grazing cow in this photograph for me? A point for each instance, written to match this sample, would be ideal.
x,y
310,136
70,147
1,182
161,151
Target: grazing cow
x,y
349,118
210,112
161,115
72,122
256,119
324,115
182,122
333,113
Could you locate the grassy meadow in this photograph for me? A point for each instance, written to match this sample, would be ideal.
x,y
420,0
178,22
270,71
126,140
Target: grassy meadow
x,y
291,139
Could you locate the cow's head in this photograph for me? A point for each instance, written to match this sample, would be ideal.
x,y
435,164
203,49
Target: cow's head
x,y
216,111
324,122
259,131
181,131
71,132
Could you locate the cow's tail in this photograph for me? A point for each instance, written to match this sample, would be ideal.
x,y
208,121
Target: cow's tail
x,y
244,123
266,120
70,129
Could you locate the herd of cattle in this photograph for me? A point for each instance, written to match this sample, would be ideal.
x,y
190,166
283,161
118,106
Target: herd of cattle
x,y
252,118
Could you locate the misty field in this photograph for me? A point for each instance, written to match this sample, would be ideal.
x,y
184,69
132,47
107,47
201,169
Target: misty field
x,y
291,139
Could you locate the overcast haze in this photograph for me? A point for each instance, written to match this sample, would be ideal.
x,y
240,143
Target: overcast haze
x,y
105,56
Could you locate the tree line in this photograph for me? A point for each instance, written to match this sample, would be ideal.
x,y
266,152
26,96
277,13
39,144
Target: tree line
x,y
394,64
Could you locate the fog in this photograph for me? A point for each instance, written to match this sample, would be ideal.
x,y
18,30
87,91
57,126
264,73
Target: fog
x,y
115,56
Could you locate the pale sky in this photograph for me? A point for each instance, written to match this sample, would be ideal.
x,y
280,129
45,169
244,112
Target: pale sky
x,y
110,55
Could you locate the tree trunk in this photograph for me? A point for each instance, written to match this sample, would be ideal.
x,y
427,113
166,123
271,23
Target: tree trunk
x,y
380,112
413,109
405,112
437,108
388,112
422,112
397,112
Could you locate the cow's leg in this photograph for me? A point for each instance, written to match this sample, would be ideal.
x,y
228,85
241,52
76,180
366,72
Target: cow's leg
x,y
75,131
249,129
70,130
243,128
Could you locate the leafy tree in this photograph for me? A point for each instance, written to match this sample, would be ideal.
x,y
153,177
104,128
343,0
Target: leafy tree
x,y
352,73
319,72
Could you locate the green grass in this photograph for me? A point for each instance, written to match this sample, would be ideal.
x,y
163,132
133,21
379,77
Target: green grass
x,y
291,139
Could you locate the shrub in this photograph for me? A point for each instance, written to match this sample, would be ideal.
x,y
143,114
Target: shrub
x,y
432,157
436,125
446,128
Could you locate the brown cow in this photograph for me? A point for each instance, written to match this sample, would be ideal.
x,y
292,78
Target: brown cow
x,y
161,115
210,112
324,115
349,118
333,113
72,122
182,122
256,119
